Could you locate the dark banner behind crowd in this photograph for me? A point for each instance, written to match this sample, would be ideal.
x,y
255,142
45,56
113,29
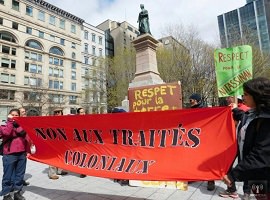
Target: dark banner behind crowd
x,y
191,144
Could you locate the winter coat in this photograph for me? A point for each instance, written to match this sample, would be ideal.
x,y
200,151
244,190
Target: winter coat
x,y
199,105
255,164
15,139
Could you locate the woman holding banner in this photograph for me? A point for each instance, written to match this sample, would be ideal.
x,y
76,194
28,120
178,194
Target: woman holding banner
x,y
254,140
16,144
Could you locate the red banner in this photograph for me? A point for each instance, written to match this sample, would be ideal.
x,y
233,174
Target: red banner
x,y
191,144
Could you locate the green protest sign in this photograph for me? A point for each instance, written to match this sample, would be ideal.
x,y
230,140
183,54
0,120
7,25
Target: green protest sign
x,y
233,68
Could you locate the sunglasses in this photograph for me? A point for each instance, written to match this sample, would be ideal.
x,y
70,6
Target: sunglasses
x,y
57,112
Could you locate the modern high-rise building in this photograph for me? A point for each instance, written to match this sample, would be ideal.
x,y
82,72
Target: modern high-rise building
x,y
118,36
41,56
249,23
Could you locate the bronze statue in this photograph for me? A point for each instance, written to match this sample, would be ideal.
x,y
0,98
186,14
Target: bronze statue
x,y
143,20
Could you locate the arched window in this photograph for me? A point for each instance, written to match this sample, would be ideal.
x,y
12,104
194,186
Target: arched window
x,y
73,55
34,44
7,37
57,51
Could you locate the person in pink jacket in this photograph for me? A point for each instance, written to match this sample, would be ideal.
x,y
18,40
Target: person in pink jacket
x,y
16,145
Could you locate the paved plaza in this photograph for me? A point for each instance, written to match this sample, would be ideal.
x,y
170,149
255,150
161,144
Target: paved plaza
x,y
72,187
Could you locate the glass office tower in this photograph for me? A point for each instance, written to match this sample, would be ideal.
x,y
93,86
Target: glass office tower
x,y
250,22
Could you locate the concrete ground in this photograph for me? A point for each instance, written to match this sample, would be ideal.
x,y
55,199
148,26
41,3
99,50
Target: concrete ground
x,y
72,187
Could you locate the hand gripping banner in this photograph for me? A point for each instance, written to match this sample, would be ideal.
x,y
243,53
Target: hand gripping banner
x,y
191,144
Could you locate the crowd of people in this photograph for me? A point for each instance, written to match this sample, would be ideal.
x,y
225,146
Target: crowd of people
x,y
252,120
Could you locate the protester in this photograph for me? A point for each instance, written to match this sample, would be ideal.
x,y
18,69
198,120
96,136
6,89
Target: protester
x,y
80,111
254,140
122,182
195,101
241,105
231,191
231,101
54,171
238,112
16,145
23,114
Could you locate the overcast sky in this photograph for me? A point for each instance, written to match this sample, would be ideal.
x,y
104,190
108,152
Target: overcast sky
x,y
200,13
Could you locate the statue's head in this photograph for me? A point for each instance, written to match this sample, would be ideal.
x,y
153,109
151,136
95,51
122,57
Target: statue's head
x,y
142,6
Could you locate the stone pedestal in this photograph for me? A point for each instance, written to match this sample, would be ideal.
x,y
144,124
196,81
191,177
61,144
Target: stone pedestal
x,y
146,62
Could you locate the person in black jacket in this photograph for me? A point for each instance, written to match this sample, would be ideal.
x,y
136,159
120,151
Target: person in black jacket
x,y
195,101
254,140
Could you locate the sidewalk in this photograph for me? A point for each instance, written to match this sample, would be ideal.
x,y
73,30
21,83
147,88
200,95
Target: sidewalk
x,y
72,187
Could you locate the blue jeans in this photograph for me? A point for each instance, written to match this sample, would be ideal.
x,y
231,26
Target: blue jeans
x,y
14,166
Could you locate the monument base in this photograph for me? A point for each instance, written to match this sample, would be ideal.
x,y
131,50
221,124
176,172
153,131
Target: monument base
x,y
149,78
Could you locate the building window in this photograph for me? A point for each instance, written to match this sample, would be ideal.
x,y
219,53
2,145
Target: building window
x,y
73,86
29,30
41,34
73,45
33,44
56,72
86,59
7,37
73,75
72,99
58,85
57,51
41,15
55,61
52,20
32,96
15,25
33,56
73,28
56,98
1,21
93,37
73,55
94,50
32,81
62,24
29,11
86,35
7,78
85,47
7,63
33,68
6,49
100,52
15,5
2,2
73,65
7,94
62,41
100,40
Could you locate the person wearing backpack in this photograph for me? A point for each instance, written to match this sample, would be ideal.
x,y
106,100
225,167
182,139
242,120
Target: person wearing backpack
x,y
15,147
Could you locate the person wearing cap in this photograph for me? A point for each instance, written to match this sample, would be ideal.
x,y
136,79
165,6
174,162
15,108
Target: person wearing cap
x,y
118,110
195,101
55,171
